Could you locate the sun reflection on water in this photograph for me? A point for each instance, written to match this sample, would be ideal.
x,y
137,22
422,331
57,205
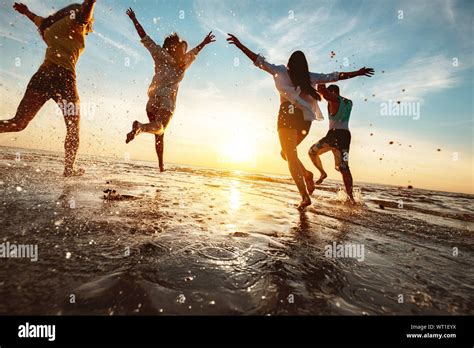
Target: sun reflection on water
x,y
234,195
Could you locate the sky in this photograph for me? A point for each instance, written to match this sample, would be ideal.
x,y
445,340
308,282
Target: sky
x,y
422,53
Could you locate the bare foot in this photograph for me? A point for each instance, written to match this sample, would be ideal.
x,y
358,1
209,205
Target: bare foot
x,y
162,169
134,132
309,180
321,178
306,202
78,172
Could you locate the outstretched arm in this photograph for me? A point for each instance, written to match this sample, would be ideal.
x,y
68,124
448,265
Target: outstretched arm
x,y
141,32
86,11
156,51
191,55
207,40
317,79
233,40
361,72
23,9
257,59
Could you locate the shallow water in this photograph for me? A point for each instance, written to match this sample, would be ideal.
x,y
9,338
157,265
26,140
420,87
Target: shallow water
x,y
200,241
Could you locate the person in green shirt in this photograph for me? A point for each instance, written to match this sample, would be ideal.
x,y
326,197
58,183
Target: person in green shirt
x,y
338,138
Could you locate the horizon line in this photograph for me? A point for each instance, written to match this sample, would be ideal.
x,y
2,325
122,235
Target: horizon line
x,y
241,170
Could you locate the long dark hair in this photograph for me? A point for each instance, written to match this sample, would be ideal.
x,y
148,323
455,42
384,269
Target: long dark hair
x,y
299,74
50,20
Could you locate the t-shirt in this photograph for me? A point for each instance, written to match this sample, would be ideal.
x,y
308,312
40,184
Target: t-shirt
x,y
65,40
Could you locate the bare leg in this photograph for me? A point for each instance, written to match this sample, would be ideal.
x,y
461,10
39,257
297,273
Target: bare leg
x,y
71,143
29,106
159,145
307,175
314,154
134,132
288,140
347,177
155,127
343,167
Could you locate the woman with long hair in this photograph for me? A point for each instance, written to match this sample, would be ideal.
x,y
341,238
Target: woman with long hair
x,y
171,62
64,34
298,107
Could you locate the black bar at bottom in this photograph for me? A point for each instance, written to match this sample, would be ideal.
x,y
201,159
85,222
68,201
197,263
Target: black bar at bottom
x,y
192,331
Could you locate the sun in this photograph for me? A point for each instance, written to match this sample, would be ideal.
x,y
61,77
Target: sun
x,y
238,150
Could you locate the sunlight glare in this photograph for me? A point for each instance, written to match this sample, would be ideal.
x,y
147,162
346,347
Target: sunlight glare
x,y
239,150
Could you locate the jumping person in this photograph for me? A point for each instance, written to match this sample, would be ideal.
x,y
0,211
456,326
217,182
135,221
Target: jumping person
x,y
298,108
64,34
338,138
171,62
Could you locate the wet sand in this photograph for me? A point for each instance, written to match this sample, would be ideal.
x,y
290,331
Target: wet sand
x,y
197,241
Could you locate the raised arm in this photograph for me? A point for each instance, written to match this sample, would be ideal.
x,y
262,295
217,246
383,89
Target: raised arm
x,y
327,94
86,11
192,54
141,32
257,59
23,9
233,40
361,72
207,40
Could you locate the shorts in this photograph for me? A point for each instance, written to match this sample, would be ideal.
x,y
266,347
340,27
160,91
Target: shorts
x,y
291,117
339,141
55,82
160,109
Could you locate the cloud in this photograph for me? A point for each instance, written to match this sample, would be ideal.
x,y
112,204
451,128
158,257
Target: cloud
x,y
296,29
124,48
11,36
43,8
419,76
286,33
13,74
209,93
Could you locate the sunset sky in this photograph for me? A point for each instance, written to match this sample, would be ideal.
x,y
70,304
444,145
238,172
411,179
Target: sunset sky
x,y
422,53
